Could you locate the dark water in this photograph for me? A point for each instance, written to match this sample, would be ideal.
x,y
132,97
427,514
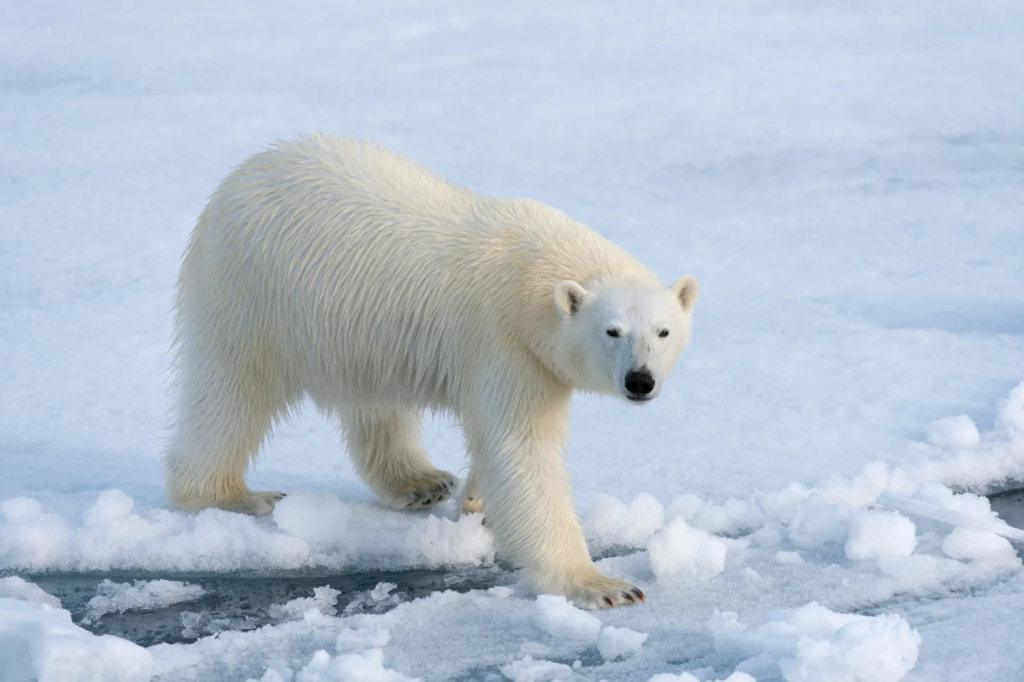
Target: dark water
x,y
243,602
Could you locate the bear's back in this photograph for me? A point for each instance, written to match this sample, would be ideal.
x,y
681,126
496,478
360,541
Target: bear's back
x,y
358,265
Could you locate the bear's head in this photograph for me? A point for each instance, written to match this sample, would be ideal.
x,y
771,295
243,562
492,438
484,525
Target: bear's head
x,y
623,340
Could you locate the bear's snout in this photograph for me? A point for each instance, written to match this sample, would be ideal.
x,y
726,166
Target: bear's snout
x,y
639,384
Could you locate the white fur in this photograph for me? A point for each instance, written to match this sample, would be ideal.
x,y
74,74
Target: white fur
x,y
337,270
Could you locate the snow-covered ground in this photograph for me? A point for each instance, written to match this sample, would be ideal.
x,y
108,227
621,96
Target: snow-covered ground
x,y
846,179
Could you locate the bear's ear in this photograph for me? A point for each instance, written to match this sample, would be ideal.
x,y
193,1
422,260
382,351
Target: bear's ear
x,y
687,290
569,296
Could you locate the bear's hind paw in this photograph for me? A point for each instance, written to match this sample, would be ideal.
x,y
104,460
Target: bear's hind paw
x,y
257,503
426,491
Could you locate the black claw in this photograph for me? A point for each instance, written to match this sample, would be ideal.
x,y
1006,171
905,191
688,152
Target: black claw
x,y
608,601
638,594
629,597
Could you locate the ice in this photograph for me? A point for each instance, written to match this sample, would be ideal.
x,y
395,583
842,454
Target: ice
x,y
39,642
529,670
814,644
875,534
680,550
144,595
323,601
14,587
557,616
614,642
978,545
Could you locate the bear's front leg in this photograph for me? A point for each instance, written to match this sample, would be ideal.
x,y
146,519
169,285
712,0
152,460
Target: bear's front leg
x,y
520,474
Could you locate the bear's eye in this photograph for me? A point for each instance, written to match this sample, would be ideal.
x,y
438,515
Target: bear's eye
x,y
663,333
614,333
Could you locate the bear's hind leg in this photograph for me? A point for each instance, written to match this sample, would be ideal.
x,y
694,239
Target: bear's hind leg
x,y
385,449
223,416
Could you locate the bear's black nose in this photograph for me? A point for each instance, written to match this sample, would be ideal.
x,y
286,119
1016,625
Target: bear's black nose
x,y
639,383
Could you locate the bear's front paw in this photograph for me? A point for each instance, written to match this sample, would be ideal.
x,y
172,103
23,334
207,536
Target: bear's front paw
x,y
601,592
425,491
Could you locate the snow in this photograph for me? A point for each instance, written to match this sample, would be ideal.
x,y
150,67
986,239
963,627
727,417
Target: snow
x,y
39,642
144,595
557,616
614,642
844,178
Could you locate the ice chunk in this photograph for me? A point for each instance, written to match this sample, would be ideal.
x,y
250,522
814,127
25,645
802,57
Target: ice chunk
x,y
613,523
1011,412
323,600
18,588
818,523
144,595
361,638
972,544
680,550
788,558
39,642
614,642
814,644
953,433
557,616
529,670
367,666
874,534
687,677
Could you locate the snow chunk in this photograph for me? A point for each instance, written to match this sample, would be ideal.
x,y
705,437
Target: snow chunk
x,y
1011,412
678,549
954,433
613,523
144,595
367,666
818,523
788,558
19,588
323,601
687,677
614,642
529,670
39,642
557,616
971,544
874,534
814,644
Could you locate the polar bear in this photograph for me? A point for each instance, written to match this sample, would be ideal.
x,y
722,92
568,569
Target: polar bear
x,y
337,270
